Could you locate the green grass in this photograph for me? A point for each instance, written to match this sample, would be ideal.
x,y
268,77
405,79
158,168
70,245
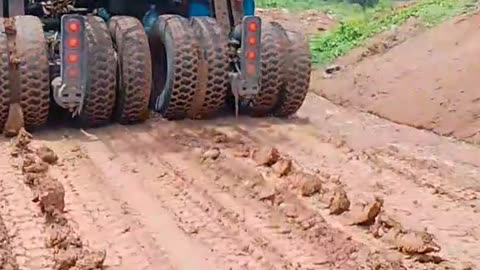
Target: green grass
x,y
353,32
341,10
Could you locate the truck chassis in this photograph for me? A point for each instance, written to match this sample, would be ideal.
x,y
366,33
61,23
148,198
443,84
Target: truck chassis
x,y
95,60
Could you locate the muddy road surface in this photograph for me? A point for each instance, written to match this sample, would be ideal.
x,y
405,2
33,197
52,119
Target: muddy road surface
x,y
330,189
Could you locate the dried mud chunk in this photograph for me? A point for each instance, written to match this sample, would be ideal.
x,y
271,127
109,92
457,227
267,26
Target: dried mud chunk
x,y
28,160
242,151
50,194
378,261
31,179
413,242
283,167
62,237
339,202
266,156
23,139
220,138
47,155
66,259
211,154
385,225
310,184
91,260
366,214
36,167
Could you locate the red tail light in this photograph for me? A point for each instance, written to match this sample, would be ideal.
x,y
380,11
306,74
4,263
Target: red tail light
x,y
251,55
73,27
251,49
73,58
72,73
253,27
252,41
74,50
73,43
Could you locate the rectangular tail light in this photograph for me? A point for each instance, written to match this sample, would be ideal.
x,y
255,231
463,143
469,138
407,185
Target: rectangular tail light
x,y
251,49
73,55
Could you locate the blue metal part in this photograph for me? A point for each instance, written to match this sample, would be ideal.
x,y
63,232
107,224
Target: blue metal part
x,y
150,18
103,13
248,7
197,9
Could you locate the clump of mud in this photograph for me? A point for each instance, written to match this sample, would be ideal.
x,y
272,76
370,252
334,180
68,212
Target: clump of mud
x,y
329,189
68,249
339,202
266,156
366,213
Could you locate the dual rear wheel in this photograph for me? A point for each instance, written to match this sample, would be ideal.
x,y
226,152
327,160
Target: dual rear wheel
x,y
189,60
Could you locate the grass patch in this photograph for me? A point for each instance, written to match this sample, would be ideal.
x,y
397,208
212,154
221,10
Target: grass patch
x,y
340,9
355,31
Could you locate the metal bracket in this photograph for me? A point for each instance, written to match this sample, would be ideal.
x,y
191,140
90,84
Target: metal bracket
x,y
70,98
242,90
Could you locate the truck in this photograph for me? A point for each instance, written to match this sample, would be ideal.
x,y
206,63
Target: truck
x,y
117,60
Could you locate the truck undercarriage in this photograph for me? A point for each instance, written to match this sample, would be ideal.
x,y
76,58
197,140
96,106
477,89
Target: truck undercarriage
x,y
104,60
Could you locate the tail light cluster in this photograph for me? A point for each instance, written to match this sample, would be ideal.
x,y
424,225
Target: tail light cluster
x,y
73,50
251,47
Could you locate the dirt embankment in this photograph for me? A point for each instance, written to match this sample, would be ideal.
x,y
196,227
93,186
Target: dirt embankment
x,y
310,22
429,81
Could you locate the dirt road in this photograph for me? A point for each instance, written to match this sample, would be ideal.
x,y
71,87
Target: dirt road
x,y
333,188
189,195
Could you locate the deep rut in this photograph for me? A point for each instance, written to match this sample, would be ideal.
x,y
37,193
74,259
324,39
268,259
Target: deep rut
x,y
426,180
151,196
103,217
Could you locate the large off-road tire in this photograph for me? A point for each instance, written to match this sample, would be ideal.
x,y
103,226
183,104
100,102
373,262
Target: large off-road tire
x,y
4,77
297,80
33,71
134,69
100,93
175,63
212,84
274,50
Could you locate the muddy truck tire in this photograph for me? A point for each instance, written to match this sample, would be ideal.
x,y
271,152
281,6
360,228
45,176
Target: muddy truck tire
x,y
297,69
33,85
175,63
4,77
212,84
274,51
100,92
134,69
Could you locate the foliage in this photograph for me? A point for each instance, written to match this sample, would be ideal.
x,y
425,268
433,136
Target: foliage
x,y
354,32
341,9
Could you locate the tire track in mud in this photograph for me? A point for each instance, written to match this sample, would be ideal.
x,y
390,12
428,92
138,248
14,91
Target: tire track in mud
x,y
364,237
196,213
7,258
67,248
21,218
279,231
103,217
413,206
319,244
312,145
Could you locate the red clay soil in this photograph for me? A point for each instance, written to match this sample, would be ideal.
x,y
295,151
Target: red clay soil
x,y
429,81
309,22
